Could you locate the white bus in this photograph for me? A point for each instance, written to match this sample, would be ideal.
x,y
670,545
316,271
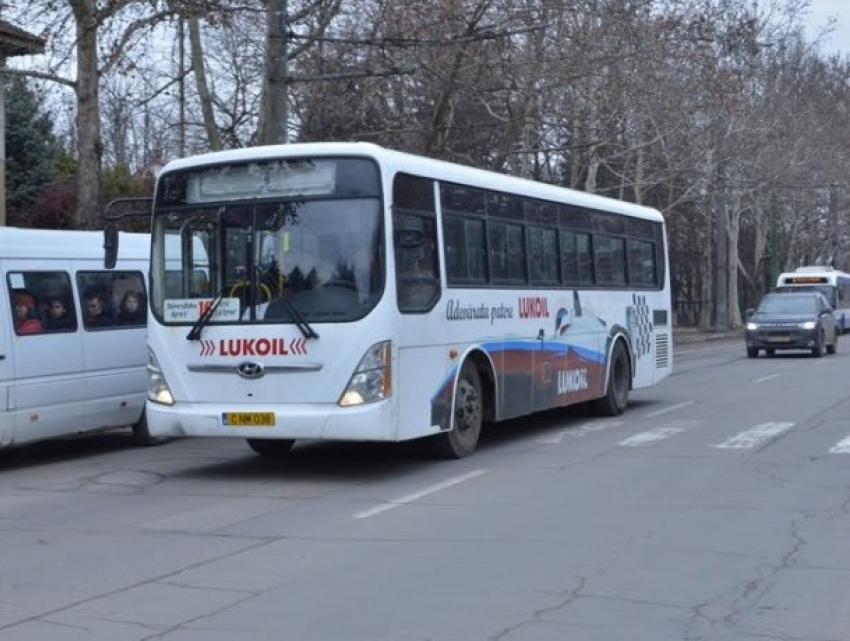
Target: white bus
x,y
832,283
350,292
72,359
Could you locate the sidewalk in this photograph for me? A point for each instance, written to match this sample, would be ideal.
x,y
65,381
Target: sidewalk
x,y
685,335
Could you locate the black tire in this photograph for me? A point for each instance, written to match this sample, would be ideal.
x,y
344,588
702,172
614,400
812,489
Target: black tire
x,y
818,349
752,352
271,447
832,349
617,390
462,439
142,435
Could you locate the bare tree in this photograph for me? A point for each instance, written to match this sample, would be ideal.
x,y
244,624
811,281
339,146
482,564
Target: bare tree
x,y
314,17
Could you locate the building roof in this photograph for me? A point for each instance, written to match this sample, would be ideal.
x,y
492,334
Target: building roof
x,y
17,42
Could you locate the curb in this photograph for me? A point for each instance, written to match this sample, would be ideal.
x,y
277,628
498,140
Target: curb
x,y
687,336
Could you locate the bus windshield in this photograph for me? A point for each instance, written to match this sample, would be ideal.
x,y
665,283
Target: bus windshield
x,y
313,258
829,291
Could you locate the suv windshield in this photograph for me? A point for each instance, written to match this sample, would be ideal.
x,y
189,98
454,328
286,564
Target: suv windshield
x,y
788,304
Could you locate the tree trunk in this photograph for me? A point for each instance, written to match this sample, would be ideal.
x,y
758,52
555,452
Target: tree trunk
x,y
274,114
721,271
732,260
213,136
88,117
707,286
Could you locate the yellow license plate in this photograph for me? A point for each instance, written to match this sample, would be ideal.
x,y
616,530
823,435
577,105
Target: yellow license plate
x,y
248,419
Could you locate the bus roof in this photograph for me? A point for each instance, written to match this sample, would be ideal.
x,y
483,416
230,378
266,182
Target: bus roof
x,y
17,242
422,166
815,268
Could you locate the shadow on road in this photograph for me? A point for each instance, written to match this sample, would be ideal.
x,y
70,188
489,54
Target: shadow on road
x,y
64,449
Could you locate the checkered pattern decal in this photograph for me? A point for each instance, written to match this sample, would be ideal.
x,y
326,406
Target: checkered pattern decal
x,y
640,325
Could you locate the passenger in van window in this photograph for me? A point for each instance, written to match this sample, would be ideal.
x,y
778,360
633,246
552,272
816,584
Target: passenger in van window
x,y
133,309
25,319
58,317
95,314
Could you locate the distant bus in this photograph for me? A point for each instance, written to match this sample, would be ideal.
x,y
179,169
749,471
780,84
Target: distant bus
x,y
344,291
65,370
834,284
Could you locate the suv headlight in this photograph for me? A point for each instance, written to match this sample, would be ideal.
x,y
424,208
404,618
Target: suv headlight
x,y
808,325
752,326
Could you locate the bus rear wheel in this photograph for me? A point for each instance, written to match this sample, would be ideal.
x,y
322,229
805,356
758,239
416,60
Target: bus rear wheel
x,y
617,390
271,448
462,439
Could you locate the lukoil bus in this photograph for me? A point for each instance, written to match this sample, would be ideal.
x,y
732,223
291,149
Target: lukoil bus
x,y
834,284
345,291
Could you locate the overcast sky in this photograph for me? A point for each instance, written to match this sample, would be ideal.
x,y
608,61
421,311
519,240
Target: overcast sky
x,y
820,12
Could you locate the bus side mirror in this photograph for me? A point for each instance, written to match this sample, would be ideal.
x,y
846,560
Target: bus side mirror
x,y
110,246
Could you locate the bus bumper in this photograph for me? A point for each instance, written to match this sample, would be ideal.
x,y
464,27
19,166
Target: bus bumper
x,y
372,422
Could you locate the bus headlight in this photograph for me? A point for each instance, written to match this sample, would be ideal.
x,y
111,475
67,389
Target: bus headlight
x,y
158,391
371,381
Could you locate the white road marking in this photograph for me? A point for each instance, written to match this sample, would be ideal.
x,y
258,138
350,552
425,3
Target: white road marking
x,y
755,436
663,431
672,408
578,431
842,447
650,436
410,498
766,378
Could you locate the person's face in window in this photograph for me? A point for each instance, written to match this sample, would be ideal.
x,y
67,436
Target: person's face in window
x,y
22,310
57,309
132,304
93,307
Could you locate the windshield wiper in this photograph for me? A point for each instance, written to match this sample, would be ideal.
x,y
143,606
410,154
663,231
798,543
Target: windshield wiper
x,y
195,333
298,317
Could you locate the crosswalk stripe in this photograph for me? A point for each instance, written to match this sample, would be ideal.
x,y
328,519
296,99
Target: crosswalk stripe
x,y
842,447
754,436
663,431
651,436
580,430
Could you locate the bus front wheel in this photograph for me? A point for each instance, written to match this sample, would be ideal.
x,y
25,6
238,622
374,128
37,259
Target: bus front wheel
x,y
617,391
462,439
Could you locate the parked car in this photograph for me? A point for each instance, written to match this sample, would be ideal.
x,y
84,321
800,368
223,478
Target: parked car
x,y
785,320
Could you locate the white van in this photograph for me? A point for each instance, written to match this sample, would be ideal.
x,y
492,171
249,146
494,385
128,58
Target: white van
x,y
72,348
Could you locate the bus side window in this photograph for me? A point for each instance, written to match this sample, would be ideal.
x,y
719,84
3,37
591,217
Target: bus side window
x,y
417,276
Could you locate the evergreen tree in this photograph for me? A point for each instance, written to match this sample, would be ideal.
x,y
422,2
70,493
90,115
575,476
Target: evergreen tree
x,y
31,150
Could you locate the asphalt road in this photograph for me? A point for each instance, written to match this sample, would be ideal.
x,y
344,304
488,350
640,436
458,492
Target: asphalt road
x,y
715,509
